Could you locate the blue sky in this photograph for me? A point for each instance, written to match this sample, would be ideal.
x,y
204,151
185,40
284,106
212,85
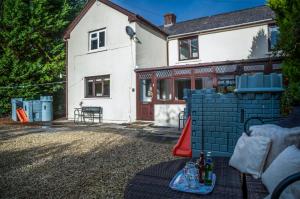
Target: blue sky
x,y
154,10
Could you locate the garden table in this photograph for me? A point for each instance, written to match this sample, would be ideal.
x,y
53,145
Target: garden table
x,y
153,182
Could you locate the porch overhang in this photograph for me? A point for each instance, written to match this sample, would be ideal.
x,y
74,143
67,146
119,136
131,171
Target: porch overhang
x,y
271,60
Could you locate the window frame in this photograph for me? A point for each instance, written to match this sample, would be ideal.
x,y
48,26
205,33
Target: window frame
x,y
174,86
188,38
270,49
98,31
170,82
203,77
94,79
150,97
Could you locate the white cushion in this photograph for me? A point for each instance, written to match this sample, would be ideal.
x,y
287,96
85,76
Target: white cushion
x,y
293,139
285,164
250,154
277,134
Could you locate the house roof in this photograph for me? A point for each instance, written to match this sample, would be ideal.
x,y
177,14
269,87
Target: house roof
x,y
219,21
132,17
223,20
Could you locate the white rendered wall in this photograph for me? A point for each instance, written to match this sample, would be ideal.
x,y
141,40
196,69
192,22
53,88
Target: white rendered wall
x,y
167,114
151,51
118,61
244,43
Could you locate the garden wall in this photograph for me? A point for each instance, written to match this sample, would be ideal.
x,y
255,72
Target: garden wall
x,y
218,119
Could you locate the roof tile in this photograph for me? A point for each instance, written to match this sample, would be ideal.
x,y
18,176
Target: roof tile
x,y
221,20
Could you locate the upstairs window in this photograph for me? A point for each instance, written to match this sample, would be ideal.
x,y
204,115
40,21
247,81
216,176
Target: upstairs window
x,y
188,48
97,40
273,32
97,86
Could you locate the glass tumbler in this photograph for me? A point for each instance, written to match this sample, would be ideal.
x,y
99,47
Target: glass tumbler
x,y
191,174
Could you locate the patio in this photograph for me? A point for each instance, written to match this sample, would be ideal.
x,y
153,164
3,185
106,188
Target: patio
x,y
252,172
97,161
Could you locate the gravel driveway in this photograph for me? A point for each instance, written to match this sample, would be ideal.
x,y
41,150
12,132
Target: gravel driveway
x,y
74,163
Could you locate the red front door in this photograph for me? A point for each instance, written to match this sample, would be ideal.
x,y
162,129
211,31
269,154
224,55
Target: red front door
x,y
145,107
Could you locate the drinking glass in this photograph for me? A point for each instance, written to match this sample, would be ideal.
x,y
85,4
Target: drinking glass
x,y
191,173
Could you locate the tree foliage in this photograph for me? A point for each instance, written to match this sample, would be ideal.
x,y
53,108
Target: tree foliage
x,y
31,48
288,19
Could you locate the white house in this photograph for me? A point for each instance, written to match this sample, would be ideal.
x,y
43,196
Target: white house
x,y
142,77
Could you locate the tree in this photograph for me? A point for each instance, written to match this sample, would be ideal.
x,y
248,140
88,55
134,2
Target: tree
x,y
31,48
288,19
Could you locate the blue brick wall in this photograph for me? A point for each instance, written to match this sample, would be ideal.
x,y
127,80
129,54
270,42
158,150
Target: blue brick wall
x,y
217,118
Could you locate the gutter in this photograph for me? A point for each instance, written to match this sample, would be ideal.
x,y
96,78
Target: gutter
x,y
222,28
67,78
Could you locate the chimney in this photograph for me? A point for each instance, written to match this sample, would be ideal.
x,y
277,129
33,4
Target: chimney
x,y
170,19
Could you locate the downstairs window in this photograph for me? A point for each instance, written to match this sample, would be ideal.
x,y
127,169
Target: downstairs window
x,y
98,86
180,85
164,91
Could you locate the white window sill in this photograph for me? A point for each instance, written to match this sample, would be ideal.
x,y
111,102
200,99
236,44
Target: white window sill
x,y
96,98
188,61
97,50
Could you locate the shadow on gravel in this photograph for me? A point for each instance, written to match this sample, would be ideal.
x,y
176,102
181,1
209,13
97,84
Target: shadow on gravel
x,y
101,170
15,133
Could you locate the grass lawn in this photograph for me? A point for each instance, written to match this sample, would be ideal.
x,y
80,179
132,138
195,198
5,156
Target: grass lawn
x,y
73,163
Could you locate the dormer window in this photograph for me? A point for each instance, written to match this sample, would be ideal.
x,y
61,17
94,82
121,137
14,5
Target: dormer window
x,y
188,48
97,40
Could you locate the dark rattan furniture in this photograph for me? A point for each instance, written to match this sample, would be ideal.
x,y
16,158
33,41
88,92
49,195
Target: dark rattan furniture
x,y
253,188
153,182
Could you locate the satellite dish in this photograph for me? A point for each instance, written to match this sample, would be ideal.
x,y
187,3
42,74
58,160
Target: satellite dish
x,y
130,32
